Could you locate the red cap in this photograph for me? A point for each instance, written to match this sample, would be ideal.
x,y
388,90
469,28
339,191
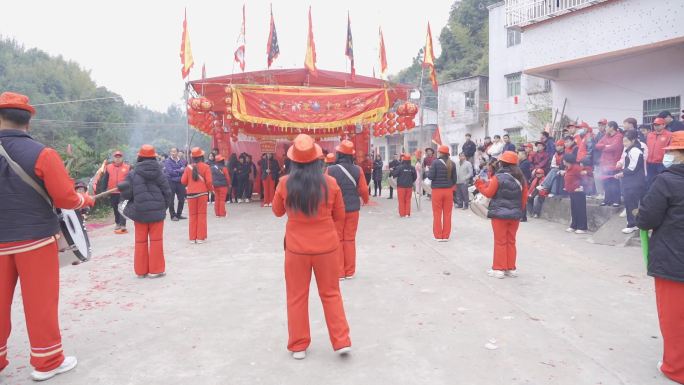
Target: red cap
x,y
147,151
659,122
304,149
219,158
603,121
196,152
18,101
117,153
346,147
330,158
584,125
528,145
405,156
443,149
509,157
560,142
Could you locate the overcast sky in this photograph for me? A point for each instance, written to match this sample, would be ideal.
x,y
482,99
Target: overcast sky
x,y
132,47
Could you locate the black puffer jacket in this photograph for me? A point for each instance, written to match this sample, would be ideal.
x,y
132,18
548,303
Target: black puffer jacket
x,y
507,203
405,173
662,209
377,170
148,194
439,174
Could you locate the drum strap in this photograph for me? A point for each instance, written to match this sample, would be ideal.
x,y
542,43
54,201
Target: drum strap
x,y
24,176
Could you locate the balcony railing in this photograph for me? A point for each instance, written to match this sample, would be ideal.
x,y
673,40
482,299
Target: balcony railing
x,y
521,13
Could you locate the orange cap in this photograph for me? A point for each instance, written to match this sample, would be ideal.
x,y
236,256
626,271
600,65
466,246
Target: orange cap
x,y
346,147
443,149
677,141
330,158
659,122
196,152
603,121
405,156
117,153
18,101
147,151
219,158
509,157
584,125
304,149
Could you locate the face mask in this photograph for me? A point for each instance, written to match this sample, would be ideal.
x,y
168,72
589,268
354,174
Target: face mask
x,y
580,131
668,160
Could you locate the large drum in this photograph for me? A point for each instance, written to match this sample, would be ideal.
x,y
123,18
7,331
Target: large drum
x,y
73,242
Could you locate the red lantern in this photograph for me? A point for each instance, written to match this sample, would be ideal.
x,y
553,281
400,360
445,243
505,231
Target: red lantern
x,y
206,104
411,108
401,127
391,123
410,124
391,116
401,110
195,103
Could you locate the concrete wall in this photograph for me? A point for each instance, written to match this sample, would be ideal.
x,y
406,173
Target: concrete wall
x,y
454,118
504,114
607,27
616,89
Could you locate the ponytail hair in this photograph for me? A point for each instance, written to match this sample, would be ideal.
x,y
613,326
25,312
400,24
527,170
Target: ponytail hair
x,y
195,171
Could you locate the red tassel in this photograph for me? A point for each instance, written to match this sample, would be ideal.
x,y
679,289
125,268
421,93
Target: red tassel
x,y
515,99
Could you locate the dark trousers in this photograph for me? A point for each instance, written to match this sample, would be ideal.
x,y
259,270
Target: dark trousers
x,y
612,191
632,196
242,189
368,182
391,192
535,204
177,191
119,219
652,170
461,195
249,189
377,187
578,210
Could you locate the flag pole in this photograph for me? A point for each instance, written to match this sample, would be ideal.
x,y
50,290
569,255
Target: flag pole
x,y
421,103
187,122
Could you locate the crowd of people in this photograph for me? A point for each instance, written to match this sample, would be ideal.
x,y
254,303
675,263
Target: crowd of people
x,y
322,195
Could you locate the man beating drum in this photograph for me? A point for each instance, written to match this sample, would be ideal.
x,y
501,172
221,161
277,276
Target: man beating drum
x,y
28,228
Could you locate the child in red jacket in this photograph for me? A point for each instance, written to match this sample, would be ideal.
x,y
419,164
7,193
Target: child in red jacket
x,y
574,173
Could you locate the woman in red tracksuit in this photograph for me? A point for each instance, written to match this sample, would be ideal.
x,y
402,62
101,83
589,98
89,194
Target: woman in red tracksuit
x,y
221,181
406,176
197,178
507,189
313,203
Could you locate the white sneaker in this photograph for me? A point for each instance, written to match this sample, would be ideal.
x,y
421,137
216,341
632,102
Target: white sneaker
x,y
247,200
580,231
496,273
201,240
570,230
511,273
193,241
349,277
443,240
344,351
299,355
69,363
629,230
551,195
659,365
436,239
159,275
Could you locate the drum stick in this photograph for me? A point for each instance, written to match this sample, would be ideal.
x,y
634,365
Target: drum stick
x,y
105,193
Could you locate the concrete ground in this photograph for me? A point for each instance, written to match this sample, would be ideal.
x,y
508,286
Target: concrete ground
x,y
420,312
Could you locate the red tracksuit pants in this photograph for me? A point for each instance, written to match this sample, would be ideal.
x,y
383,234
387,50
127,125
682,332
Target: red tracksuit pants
x,y
220,201
38,274
197,209
670,302
404,198
149,248
269,190
298,268
505,252
442,205
346,231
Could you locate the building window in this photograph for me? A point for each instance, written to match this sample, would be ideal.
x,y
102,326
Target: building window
x,y
513,37
382,149
653,107
513,84
547,85
412,146
393,149
469,99
454,149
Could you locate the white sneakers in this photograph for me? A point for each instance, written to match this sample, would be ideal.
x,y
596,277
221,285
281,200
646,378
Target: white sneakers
x,y
344,351
158,275
570,230
629,230
200,240
511,273
299,355
580,231
496,273
69,363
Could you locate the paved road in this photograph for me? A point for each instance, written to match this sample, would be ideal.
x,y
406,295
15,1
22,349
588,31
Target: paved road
x,y
420,312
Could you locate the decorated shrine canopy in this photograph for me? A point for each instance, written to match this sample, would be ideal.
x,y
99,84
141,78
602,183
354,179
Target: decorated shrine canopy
x,y
283,103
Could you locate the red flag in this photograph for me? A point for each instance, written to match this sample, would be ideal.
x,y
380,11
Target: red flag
x,y
429,58
383,56
349,50
310,59
185,51
272,48
437,137
240,51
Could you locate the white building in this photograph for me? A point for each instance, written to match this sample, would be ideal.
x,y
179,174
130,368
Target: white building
x,y
462,109
519,104
606,58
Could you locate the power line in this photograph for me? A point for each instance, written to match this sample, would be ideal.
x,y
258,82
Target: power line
x,y
79,101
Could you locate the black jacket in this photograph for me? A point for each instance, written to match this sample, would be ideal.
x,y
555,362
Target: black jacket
x,y
405,173
149,194
377,170
439,174
526,168
469,148
243,171
269,164
217,176
350,192
507,202
662,209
